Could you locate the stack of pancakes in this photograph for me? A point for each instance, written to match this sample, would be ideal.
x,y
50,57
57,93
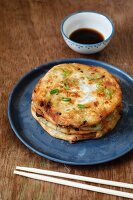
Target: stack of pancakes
x,y
77,102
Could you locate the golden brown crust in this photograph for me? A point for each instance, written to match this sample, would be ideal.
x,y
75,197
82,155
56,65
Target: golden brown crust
x,y
77,82
76,137
86,130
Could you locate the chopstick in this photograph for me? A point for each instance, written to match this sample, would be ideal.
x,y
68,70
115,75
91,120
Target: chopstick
x,y
69,183
76,177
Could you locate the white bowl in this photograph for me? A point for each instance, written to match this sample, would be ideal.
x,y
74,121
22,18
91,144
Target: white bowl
x,y
87,19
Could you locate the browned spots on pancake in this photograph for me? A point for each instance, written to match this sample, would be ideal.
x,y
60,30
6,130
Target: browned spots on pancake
x,y
39,113
58,113
95,69
108,83
48,105
84,122
101,94
42,103
74,94
96,103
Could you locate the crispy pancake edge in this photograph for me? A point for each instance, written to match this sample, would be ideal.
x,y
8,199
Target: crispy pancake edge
x,y
51,116
76,137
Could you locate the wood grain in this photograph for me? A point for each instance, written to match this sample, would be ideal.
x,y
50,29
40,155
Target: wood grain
x,y
29,36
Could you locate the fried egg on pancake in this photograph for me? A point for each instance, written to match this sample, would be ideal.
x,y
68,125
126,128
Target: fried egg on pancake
x,y
76,95
110,124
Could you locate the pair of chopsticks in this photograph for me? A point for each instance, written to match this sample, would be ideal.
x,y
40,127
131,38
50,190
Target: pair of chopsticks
x,y
38,174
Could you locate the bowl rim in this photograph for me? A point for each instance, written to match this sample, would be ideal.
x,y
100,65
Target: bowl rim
x,y
78,12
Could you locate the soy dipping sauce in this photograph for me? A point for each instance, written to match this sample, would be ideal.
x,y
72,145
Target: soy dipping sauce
x,y
86,36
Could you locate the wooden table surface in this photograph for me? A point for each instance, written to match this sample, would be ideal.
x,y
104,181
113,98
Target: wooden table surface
x,y
29,36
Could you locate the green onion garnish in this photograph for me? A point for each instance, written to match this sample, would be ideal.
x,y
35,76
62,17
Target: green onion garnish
x,y
108,92
90,78
66,86
94,77
54,91
94,126
81,106
66,72
66,99
97,76
99,86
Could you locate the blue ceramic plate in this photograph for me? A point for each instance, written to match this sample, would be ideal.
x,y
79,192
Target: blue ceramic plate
x,y
113,145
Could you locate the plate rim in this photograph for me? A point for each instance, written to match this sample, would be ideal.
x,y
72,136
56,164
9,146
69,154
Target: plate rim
x,y
54,62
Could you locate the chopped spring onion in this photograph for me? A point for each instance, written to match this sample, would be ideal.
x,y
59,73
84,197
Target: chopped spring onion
x,y
108,92
67,110
66,86
54,91
81,106
66,72
99,86
66,99
94,77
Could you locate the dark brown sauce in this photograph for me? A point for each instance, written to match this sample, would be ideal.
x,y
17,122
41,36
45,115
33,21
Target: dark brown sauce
x,y
86,36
